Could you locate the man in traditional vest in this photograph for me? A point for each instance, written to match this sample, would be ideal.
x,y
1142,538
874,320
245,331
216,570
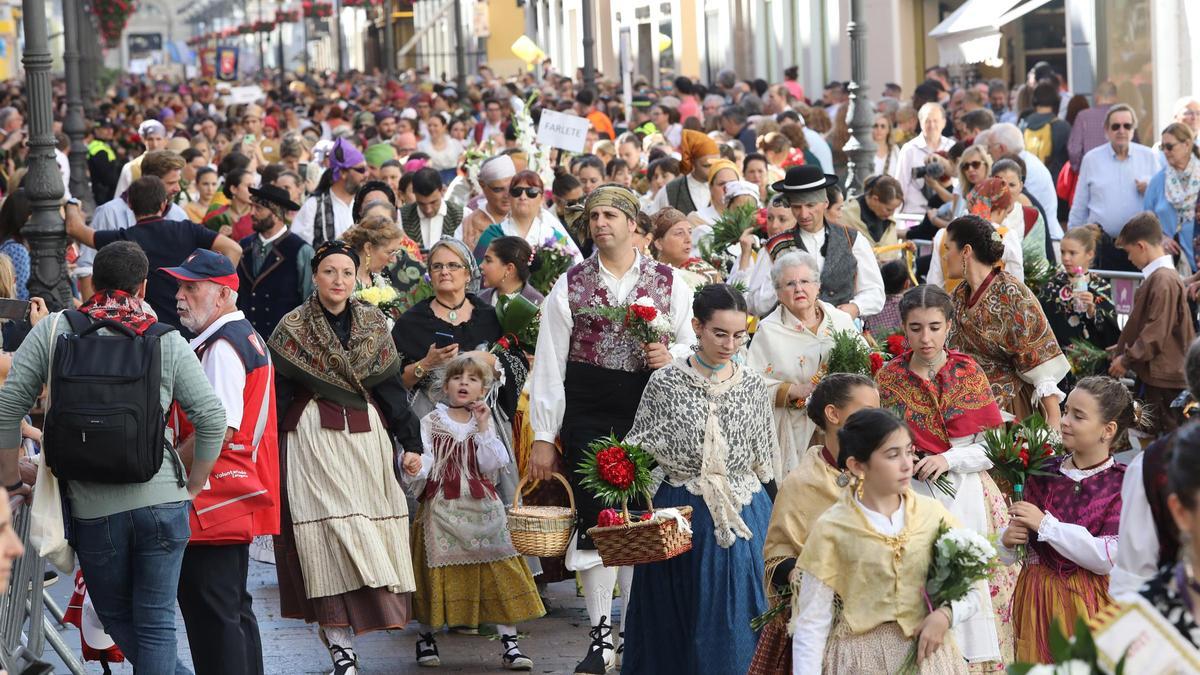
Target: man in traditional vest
x,y
589,377
328,212
850,278
430,217
274,271
241,498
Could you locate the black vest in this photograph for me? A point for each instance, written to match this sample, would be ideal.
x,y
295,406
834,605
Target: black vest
x,y
678,195
410,220
839,269
275,290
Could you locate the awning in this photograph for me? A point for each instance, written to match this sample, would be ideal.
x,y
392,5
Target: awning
x,y
972,33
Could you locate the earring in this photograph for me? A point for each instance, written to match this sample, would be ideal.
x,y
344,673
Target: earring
x,y
858,489
368,263
696,347
964,267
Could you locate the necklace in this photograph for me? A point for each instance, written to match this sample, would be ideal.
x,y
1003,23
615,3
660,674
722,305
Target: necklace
x,y
713,370
453,314
932,366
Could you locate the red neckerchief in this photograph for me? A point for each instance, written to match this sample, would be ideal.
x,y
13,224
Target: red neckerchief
x,y
978,292
121,307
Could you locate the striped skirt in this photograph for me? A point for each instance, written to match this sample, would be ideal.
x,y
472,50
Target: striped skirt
x,y
1042,597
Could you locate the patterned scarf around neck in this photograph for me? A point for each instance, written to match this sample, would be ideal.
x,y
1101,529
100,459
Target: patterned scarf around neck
x,y
1182,187
121,307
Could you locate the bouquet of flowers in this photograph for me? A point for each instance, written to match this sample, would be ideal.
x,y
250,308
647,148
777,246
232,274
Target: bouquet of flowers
x,y
961,557
614,472
641,317
1020,450
519,321
1085,358
550,261
383,296
726,233
893,346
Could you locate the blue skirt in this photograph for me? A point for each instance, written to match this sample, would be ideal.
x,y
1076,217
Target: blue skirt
x,y
692,613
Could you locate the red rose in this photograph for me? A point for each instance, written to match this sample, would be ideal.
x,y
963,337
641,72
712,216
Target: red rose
x,y
1024,457
876,362
503,342
896,344
761,218
647,516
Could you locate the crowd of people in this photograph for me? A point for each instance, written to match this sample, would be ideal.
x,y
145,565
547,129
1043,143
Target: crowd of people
x,y
328,276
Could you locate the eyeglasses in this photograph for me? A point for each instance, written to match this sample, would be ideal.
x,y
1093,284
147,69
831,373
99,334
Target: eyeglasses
x,y
1117,126
972,165
1169,147
793,285
530,192
360,170
449,267
738,338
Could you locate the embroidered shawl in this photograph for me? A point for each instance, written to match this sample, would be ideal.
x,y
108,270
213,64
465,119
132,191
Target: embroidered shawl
x,y
307,350
957,403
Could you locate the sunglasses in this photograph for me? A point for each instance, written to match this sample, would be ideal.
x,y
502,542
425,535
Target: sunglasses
x,y
530,192
1120,125
1168,147
972,165
360,170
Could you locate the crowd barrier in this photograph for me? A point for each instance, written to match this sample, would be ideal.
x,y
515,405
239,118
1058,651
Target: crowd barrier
x,y
29,617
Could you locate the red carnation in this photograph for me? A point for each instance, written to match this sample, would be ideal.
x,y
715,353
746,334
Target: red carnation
x,y
896,344
647,516
876,362
609,518
503,342
615,467
644,312
1024,457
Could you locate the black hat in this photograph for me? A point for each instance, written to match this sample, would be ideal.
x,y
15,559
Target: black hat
x,y
805,178
274,195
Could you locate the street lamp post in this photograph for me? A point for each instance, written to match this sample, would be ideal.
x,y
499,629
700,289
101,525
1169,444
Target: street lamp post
x,y
589,42
389,39
45,230
860,149
460,56
74,125
90,61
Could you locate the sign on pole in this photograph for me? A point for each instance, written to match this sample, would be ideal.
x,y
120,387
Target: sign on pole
x,y
559,130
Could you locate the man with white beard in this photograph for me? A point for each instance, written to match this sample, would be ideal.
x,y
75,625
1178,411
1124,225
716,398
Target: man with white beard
x,y
241,499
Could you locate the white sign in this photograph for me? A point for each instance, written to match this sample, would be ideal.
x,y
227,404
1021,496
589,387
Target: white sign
x,y
244,95
559,130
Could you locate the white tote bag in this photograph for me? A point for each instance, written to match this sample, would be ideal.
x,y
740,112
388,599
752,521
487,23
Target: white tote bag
x,y
47,529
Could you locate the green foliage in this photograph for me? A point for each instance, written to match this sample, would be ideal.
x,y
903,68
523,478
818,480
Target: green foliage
x,y
1038,273
1085,358
726,232
849,354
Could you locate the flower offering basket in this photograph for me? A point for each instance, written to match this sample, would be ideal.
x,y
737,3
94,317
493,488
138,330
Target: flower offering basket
x,y
541,531
643,541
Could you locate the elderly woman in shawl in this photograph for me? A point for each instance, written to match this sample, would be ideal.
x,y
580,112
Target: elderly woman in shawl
x,y
689,191
343,555
453,321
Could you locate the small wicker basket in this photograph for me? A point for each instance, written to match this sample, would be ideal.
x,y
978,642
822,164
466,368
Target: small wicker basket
x,y
641,542
541,531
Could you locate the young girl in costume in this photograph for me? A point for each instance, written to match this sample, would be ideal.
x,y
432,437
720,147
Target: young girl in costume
x,y
466,569
1069,520
811,488
860,606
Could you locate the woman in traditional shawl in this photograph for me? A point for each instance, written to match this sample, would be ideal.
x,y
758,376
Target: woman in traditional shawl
x,y
944,398
343,555
706,420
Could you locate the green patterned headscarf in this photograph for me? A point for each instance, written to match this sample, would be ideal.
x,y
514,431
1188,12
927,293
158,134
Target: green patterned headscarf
x,y
613,195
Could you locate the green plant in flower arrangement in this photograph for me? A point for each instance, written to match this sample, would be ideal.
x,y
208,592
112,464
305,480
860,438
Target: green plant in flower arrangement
x,y
615,472
726,232
1085,358
849,354
1072,656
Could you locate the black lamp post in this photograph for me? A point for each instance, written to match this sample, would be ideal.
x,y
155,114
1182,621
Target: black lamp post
x,y
860,149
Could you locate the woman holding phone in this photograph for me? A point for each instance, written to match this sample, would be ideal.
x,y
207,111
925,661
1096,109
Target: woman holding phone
x,y
455,321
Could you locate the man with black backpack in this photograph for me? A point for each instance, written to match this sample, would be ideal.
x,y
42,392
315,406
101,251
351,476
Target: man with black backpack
x,y
113,371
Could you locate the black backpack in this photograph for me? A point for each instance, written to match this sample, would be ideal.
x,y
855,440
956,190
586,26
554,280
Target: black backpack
x,y
106,423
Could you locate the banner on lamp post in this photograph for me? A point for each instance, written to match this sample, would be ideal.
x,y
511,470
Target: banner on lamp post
x,y
227,63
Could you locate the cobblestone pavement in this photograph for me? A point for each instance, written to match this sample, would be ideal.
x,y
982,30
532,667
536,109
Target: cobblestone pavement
x,y
555,642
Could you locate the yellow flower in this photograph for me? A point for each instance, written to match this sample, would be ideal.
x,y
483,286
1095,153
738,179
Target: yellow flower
x,y
377,295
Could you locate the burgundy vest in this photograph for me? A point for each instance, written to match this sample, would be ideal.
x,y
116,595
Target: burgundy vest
x,y
597,341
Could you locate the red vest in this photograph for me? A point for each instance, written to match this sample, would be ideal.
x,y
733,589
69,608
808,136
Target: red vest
x,y
241,498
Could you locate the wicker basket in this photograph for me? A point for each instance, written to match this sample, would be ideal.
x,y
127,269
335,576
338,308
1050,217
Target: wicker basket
x,y
642,542
541,531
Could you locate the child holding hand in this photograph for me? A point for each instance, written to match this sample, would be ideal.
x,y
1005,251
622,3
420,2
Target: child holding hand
x,y
466,569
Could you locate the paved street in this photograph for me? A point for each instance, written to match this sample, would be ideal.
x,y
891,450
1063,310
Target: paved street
x,y
555,642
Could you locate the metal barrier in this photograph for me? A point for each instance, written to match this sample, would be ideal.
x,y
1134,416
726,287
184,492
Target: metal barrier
x,y
24,628
1122,293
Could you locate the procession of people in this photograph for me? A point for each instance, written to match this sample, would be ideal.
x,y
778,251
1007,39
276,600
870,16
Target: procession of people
x,y
372,329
